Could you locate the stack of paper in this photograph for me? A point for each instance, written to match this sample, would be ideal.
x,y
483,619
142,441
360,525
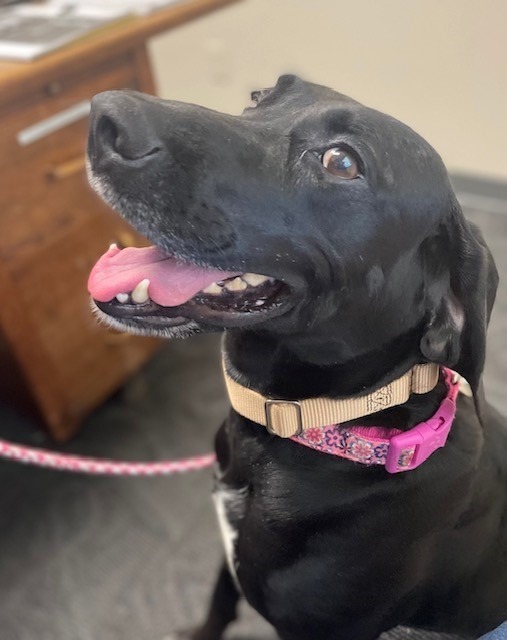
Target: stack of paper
x,y
28,31
129,6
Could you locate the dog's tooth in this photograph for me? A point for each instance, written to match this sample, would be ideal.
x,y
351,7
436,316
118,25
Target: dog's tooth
x,y
122,297
236,285
140,293
254,279
213,289
113,249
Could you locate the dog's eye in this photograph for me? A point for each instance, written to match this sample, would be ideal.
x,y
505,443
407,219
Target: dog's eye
x,y
340,163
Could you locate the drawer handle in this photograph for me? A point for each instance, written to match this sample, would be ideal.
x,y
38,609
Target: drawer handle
x,y
67,169
45,127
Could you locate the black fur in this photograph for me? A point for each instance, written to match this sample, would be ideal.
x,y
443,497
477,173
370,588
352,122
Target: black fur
x,y
385,272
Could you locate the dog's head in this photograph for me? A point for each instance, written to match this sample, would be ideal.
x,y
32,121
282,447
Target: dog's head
x,y
309,214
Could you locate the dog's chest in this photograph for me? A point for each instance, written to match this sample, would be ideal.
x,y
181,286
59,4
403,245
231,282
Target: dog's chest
x,y
230,505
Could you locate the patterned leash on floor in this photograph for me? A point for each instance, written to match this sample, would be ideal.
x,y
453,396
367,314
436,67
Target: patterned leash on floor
x,y
99,466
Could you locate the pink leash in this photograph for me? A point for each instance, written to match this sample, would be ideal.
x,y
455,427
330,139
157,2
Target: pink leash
x,y
101,467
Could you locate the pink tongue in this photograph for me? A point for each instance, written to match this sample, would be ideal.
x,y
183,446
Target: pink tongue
x,y
171,282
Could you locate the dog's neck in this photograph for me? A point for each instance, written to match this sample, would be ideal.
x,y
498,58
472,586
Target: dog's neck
x,y
276,367
308,366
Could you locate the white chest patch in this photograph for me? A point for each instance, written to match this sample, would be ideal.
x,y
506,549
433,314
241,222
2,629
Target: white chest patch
x,y
230,508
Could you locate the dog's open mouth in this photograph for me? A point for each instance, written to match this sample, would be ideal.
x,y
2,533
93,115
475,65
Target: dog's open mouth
x,y
145,286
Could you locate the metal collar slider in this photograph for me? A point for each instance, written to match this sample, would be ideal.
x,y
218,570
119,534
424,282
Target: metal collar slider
x,y
281,422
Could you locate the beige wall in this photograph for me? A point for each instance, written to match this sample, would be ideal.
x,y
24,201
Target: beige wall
x,y
439,65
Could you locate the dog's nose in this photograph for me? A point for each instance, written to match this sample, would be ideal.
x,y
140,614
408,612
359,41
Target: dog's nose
x,y
119,129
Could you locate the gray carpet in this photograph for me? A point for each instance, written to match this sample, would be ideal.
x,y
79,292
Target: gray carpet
x,y
113,559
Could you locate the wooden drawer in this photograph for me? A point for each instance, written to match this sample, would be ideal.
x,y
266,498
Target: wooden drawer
x,y
35,226
44,189
52,230
88,357
18,141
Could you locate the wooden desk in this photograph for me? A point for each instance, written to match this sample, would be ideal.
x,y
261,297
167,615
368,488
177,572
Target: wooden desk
x,y
54,357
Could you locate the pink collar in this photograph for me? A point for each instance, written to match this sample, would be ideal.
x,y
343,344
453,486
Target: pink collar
x,y
396,450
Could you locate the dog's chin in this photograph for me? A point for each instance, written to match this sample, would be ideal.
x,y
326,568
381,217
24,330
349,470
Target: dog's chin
x,y
185,329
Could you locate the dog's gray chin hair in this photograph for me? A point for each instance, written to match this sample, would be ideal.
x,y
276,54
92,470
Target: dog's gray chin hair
x,y
184,331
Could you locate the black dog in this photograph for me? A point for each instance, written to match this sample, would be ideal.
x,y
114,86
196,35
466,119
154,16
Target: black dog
x,y
372,269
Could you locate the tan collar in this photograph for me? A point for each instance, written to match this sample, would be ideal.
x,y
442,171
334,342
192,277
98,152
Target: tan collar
x,y
287,418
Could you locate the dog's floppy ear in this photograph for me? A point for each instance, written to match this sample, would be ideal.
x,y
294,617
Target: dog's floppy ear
x,y
456,332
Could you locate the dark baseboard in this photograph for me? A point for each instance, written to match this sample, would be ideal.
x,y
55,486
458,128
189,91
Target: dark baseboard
x,y
480,193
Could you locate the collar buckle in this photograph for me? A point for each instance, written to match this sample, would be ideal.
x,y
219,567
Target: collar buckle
x,y
410,449
281,423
